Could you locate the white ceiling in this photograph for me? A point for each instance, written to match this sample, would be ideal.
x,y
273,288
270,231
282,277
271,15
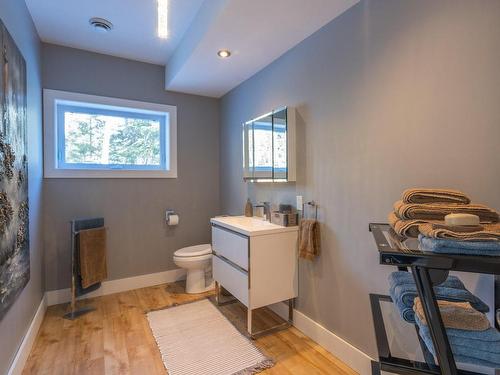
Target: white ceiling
x,y
134,35
256,31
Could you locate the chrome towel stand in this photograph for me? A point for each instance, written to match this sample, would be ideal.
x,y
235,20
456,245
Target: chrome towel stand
x,y
76,227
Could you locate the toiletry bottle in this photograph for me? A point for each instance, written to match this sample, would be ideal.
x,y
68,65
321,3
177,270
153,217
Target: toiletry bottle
x,y
249,208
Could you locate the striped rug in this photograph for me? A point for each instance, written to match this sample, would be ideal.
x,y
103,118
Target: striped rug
x,y
195,338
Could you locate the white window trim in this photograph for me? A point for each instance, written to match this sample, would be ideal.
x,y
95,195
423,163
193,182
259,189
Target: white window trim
x,y
50,137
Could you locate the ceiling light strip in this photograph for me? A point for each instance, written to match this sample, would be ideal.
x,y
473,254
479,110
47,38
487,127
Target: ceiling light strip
x,y
163,19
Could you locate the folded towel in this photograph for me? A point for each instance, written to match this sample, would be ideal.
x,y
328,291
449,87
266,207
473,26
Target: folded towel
x,y
445,246
457,315
486,232
403,292
402,277
407,228
419,195
477,347
92,256
437,211
309,239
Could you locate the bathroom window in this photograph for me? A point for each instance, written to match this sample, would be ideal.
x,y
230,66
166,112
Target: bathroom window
x,y
97,137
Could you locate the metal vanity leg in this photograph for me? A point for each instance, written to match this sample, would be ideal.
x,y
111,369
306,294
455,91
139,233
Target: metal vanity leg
x,y
290,311
217,293
434,321
249,321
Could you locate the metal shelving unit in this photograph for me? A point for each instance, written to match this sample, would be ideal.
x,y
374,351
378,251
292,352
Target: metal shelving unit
x,y
427,269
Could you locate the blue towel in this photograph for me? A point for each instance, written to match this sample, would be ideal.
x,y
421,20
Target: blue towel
x,y
443,246
403,291
476,347
402,277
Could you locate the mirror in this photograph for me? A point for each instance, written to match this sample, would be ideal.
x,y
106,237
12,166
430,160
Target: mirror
x,y
268,147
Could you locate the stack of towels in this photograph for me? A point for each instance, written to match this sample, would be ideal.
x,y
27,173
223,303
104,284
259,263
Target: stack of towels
x,y
421,213
471,337
403,291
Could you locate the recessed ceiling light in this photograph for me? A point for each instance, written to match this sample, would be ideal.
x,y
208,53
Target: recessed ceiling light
x,y
163,19
224,53
100,24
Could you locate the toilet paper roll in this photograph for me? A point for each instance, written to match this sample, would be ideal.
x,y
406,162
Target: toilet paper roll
x,y
173,219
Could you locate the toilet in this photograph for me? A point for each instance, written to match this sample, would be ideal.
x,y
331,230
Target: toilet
x,y
196,260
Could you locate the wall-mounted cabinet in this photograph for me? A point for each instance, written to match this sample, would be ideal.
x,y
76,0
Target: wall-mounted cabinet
x,y
269,147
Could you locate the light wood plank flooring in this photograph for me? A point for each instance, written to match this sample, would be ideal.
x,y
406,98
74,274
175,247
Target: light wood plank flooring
x,y
116,338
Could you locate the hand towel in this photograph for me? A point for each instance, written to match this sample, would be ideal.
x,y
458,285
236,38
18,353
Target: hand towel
x,y
445,246
437,211
477,347
486,232
407,228
457,315
92,254
309,239
420,195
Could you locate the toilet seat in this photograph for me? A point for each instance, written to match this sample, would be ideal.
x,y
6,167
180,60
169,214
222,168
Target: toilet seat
x,y
194,251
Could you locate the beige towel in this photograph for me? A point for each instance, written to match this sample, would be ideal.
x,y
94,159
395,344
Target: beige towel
x,y
486,232
407,228
92,252
437,211
419,195
309,246
457,315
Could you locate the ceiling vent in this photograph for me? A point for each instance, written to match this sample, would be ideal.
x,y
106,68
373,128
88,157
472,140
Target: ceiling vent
x,y
100,24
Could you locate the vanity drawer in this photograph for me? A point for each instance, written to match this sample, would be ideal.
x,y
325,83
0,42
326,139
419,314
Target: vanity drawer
x,y
231,246
231,278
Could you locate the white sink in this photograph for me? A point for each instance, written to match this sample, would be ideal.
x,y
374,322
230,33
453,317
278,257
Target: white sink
x,y
250,226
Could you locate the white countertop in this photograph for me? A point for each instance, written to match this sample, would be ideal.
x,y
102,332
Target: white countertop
x,y
250,226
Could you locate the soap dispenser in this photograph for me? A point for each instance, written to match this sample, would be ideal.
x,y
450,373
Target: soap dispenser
x,y
249,208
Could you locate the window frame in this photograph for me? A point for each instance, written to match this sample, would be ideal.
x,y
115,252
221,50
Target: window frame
x,y
54,143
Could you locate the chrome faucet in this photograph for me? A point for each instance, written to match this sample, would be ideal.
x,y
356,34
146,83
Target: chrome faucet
x,y
267,209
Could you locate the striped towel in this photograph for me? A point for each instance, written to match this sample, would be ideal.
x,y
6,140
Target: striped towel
x,y
420,195
437,211
486,232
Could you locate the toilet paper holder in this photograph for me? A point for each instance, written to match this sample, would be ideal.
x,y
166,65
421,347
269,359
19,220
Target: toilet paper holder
x,y
168,214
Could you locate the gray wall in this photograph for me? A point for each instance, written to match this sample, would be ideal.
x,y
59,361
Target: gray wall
x,y
139,242
14,325
390,95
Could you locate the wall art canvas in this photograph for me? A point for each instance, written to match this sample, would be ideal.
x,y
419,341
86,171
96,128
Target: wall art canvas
x,y
14,236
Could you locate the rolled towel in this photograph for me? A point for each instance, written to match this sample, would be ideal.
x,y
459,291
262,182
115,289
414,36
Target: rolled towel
x,y
407,228
403,292
437,211
486,232
477,347
457,315
445,246
420,195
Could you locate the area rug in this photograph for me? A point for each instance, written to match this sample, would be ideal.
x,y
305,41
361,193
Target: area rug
x,y
195,338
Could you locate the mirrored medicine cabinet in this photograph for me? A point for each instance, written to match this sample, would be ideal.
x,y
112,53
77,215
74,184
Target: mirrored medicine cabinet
x,y
269,147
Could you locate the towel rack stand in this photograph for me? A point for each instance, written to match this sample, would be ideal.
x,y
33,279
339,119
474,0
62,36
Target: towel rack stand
x,y
77,290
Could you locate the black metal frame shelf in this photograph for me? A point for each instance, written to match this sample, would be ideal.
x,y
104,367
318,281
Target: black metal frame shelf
x,y
427,269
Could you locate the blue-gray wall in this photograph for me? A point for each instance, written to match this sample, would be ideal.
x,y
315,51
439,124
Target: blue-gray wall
x,y
14,325
139,242
390,95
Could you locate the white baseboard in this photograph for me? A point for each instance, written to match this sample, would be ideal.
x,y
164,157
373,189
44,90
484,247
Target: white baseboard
x,y
55,297
350,355
17,366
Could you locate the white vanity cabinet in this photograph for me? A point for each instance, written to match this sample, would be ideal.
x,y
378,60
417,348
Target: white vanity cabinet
x,y
255,261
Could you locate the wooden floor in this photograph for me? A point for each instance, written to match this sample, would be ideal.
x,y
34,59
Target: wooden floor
x,y
116,338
